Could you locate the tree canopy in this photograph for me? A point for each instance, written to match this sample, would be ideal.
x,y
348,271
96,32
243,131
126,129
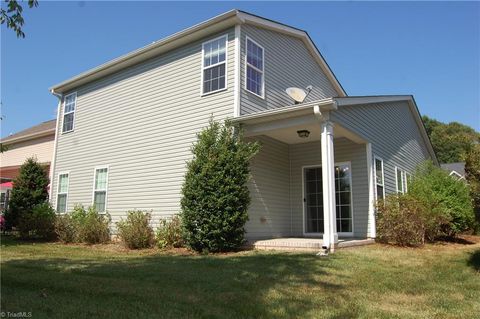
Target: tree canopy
x,y
12,15
451,141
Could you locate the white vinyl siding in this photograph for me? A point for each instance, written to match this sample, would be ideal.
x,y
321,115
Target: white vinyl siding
x,y
379,179
69,106
404,148
140,123
287,62
100,189
62,194
254,78
214,57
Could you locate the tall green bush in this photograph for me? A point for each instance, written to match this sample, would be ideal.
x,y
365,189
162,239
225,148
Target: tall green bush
x,y
30,189
215,195
444,198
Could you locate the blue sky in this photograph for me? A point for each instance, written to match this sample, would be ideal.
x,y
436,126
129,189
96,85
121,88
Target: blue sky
x,y
428,49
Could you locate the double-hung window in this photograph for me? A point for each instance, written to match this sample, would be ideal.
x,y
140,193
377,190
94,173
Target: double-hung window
x,y
214,57
100,189
69,112
379,179
401,179
62,193
254,80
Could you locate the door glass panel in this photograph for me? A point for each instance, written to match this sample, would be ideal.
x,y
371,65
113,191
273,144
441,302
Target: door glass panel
x,y
314,199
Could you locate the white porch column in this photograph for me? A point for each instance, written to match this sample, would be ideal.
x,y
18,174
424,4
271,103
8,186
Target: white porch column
x,y
330,236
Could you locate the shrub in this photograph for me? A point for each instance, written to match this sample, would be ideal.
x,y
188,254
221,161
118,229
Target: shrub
x,y
40,223
215,195
29,190
93,227
169,233
447,202
400,220
472,175
66,229
136,232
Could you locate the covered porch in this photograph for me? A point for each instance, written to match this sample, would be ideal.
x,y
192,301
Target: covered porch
x,y
311,185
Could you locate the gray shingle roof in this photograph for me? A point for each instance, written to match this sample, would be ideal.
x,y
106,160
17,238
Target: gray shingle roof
x,y
40,129
457,167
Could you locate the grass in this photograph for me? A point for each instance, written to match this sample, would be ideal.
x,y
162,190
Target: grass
x,y
52,280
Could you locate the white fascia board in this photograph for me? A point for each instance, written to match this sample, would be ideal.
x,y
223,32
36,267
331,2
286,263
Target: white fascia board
x,y
287,111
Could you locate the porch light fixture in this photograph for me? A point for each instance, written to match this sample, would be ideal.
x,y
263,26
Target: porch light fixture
x,y
303,133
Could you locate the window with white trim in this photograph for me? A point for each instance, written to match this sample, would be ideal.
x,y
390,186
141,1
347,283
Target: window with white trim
x,y
100,189
401,180
214,65
69,105
62,193
379,179
254,79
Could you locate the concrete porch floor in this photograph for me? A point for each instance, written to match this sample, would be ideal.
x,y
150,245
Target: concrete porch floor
x,y
305,244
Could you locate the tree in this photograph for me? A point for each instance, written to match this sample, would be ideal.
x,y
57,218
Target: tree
x,y
472,175
12,16
450,141
448,207
30,189
215,195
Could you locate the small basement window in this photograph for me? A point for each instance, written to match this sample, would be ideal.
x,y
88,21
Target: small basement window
x,y
214,65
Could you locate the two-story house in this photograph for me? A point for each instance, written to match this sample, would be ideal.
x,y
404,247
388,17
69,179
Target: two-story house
x,y
125,130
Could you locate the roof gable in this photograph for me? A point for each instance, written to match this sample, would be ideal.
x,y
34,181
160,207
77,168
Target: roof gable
x,y
213,25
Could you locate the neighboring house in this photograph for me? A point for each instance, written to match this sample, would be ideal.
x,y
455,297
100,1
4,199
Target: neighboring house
x,y
35,141
125,130
456,170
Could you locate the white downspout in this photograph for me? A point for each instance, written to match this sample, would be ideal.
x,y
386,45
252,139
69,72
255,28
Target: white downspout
x,y
57,124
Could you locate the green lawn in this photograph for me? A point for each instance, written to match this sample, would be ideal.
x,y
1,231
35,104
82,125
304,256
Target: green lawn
x,y
52,280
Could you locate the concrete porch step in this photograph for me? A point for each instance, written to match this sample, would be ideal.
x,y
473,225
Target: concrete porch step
x,y
305,244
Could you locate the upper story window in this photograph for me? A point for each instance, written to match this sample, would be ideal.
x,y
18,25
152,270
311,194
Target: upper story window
x,y
214,57
69,112
254,79
62,193
379,179
100,189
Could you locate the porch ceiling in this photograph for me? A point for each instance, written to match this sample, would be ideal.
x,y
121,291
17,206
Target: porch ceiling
x,y
289,134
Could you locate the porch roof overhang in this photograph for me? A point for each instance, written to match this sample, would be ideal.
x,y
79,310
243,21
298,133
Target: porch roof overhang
x,y
279,123
303,114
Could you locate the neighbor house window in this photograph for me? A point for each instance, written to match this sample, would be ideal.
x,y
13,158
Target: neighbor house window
x,y
62,193
254,68
379,179
100,189
214,56
401,179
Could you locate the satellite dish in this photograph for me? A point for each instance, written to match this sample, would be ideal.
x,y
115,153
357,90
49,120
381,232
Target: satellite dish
x,y
297,94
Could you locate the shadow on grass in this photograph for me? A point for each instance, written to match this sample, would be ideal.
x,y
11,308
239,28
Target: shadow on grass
x,y
474,260
243,286
12,240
